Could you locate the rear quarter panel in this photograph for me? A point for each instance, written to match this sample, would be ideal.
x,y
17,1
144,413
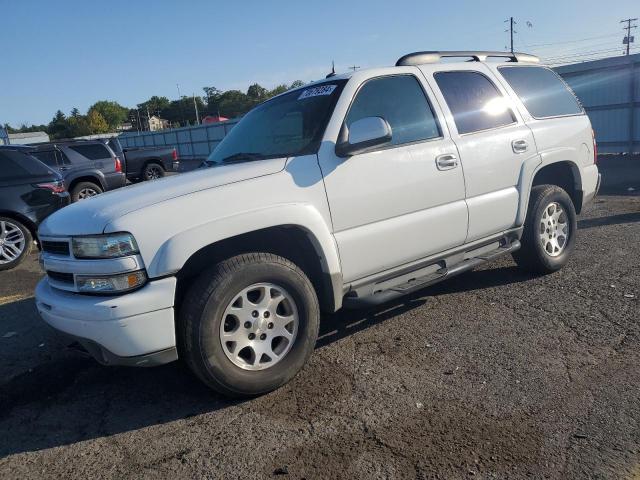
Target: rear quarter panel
x,y
558,139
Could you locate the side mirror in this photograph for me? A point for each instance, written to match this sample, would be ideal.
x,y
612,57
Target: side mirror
x,y
363,135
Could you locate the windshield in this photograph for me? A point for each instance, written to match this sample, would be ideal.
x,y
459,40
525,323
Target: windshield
x,y
290,124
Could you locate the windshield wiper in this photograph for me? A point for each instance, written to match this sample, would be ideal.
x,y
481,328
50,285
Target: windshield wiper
x,y
242,157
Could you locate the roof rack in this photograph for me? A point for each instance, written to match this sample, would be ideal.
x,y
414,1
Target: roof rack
x,y
419,58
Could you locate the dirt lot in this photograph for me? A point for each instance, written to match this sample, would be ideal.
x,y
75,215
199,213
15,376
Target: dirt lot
x,y
494,374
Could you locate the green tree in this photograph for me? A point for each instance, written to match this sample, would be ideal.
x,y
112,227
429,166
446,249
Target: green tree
x,y
112,112
155,105
78,124
96,123
58,127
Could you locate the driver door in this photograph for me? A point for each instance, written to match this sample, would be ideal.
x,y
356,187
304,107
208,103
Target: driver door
x,y
402,201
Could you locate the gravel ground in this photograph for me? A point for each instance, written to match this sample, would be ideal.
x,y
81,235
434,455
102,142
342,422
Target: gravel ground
x,y
493,374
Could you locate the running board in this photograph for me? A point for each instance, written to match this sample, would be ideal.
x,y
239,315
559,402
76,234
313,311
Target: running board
x,y
419,283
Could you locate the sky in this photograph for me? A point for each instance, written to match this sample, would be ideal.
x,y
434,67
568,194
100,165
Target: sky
x,y
66,53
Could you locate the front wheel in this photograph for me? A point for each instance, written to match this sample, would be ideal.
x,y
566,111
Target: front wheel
x,y
15,243
249,324
550,228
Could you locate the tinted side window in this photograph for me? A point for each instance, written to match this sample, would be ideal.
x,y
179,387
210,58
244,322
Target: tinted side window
x,y
475,102
543,93
93,152
48,158
401,102
114,145
16,165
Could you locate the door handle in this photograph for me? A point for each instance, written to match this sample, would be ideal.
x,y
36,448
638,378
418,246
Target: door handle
x,y
446,161
519,146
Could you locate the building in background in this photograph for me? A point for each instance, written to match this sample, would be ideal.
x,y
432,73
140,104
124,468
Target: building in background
x,y
155,123
27,138
609,90
213,119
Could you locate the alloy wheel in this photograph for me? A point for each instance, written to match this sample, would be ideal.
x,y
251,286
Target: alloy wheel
x,y
259,326
12,242
554,229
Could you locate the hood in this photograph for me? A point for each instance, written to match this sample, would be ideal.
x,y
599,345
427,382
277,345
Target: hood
x,y
90,217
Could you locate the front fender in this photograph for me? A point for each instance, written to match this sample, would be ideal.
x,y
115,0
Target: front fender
x,y
175,251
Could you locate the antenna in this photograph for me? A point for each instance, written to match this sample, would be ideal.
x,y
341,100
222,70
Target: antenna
x,y
333,70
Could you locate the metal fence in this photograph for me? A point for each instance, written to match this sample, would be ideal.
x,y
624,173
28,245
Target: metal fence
x,y
191,142
609,90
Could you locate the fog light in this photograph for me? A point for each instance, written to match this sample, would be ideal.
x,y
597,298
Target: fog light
x,y
110,283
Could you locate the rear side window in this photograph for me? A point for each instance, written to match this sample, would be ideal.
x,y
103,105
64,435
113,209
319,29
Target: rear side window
x,y
474,101
114,146
48,158
93,152
401,102
543,93
16,165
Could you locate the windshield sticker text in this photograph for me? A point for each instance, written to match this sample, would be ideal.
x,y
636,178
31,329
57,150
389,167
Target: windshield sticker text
x,y
317,91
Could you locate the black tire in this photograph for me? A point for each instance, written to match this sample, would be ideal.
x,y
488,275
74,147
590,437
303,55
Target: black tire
x,y
5,263
203,310
152,171
533,256
81,191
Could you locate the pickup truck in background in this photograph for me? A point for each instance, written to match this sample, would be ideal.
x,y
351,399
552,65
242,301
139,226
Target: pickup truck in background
x,y
145,163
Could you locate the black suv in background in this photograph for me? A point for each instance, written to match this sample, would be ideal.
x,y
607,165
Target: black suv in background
x,y
88,167
29,192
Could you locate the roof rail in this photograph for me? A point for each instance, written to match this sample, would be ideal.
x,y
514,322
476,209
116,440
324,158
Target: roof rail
x,y
419,58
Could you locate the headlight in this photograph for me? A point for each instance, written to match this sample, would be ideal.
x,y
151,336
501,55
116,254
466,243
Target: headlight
x,y
105,246
110,283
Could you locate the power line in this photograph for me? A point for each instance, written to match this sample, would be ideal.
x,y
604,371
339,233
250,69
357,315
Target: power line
x,y
574,55
594,49
628,39
572,41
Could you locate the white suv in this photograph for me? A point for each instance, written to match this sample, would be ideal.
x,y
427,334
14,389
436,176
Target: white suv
x,y
350,191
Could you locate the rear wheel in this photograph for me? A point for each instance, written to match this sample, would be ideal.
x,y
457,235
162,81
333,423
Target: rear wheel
x,y
249,324
85,190
549,231
152,171
15,243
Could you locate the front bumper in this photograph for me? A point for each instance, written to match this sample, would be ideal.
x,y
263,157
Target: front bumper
x,y
132,329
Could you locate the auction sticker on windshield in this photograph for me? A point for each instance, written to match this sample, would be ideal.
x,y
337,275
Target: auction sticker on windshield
x,y
317,91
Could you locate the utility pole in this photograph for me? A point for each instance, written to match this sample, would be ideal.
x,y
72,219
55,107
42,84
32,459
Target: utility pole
x,y
180,103
511,31
628,40
195,104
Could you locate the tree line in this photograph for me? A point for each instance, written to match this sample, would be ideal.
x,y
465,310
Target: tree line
x,y
108,116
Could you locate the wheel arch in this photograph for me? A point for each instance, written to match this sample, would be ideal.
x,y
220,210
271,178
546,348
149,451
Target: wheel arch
x,y
293,242
562,173
85,178
157,161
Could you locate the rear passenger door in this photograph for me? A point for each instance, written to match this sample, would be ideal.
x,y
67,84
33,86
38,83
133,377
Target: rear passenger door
x,y
492,140
394,204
